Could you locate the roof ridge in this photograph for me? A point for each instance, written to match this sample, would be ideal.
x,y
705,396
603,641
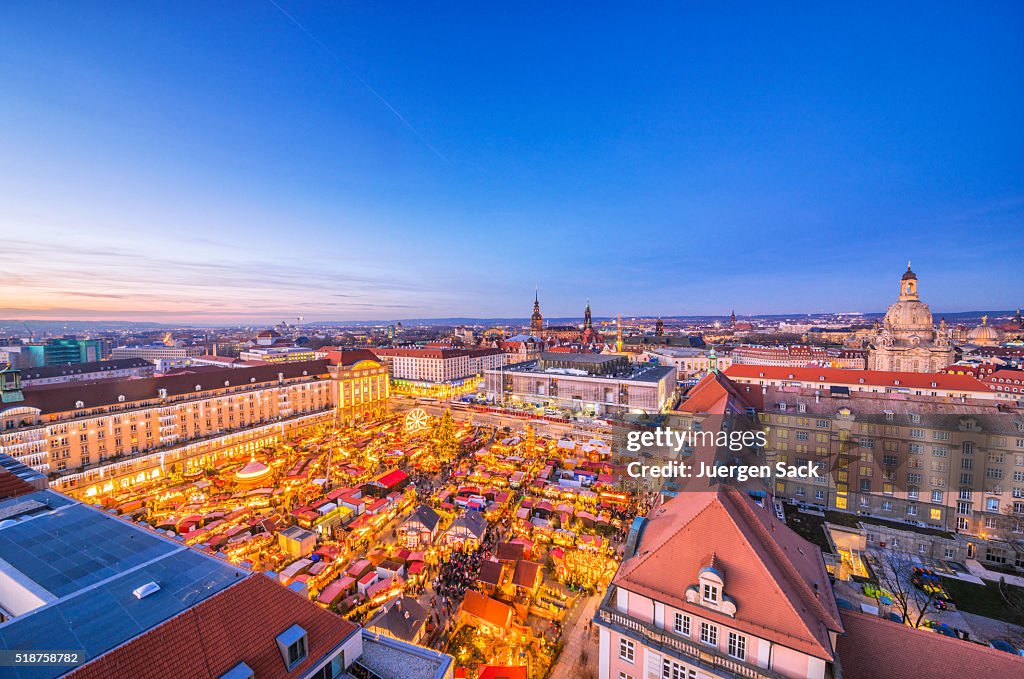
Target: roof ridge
x,y
642,558
789,570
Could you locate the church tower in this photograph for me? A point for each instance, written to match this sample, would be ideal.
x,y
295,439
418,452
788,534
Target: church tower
x,y
908,286
586,317
536,320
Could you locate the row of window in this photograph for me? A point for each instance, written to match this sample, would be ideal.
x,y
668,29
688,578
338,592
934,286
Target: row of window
x,y
736,644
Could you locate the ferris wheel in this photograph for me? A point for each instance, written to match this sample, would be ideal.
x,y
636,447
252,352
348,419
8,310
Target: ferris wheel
x,y
416,420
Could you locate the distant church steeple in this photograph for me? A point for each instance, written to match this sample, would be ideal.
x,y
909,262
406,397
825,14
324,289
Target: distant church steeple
x,y
536,320
586,317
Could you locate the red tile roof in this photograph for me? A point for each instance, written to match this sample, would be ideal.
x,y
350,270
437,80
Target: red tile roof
x,y
349,357
777,579
872,643
487,609
717,394
239,624
840,376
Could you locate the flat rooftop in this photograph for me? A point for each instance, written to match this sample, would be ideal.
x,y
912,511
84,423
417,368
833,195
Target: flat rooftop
x,y
636,372
391,659
68,573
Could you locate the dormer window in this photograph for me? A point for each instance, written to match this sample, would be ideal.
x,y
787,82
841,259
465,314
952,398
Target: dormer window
x,y
709,591
292,644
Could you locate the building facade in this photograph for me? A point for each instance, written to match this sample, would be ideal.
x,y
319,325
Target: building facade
x,y
62,351
361,385
924,462
712,585
92,438
438,365
156,352
634,390
690,364
286,354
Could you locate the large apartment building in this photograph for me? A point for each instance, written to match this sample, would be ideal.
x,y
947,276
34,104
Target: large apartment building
x,y
438,365
922,460
712,585
156,352
92,438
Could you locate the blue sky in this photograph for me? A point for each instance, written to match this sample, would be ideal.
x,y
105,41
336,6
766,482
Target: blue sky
x,y
218,161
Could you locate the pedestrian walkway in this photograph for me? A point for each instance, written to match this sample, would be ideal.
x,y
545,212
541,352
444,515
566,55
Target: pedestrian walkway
x,y
978,570
581,641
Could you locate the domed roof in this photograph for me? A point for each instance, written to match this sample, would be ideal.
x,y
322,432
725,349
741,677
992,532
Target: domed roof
x,y
985,333
253,470
909,275
910,317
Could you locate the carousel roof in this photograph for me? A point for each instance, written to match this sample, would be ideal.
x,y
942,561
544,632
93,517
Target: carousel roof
x,y
252,470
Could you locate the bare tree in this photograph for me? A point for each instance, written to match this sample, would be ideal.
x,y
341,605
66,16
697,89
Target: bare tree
x,y
895,572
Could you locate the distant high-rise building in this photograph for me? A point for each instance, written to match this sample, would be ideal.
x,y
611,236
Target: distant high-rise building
x,y
62,351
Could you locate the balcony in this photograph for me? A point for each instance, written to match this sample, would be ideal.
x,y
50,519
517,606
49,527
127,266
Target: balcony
x,y
706,658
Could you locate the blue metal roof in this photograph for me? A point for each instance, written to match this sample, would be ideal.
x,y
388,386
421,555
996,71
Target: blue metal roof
x,y
86,565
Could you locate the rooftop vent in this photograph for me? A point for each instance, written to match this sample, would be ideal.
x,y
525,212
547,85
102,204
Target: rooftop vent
x,y
146,590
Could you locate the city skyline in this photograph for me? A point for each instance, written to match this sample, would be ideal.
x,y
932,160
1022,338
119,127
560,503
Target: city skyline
x,y
373,163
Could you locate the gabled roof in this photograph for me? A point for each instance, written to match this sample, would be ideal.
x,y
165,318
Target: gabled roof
x,y
871,643
509,551
526,574
427,516
777,579
717,394
473,521
403,617
487,609
390,478
491,572
239,624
